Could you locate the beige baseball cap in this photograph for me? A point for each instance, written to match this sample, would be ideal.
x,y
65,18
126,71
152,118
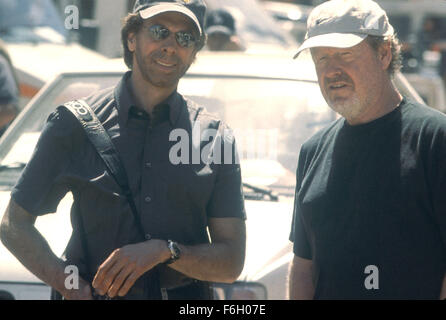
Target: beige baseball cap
x,y
344,24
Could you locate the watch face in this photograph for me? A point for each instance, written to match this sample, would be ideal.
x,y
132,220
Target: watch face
x,y
177,249
174,250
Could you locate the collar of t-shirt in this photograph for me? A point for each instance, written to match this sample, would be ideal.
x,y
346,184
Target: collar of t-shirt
x,y
374,124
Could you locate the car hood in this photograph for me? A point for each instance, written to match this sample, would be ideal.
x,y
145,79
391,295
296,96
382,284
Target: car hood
x,y
268,224
56,228
267,227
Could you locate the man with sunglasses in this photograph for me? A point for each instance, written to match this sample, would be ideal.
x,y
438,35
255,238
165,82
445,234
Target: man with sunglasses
x,y
179,207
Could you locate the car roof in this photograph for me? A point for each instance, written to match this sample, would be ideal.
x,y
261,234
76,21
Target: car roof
x,y
280,65
233,64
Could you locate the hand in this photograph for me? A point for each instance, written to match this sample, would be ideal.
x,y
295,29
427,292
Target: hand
x,y
124,266
83,293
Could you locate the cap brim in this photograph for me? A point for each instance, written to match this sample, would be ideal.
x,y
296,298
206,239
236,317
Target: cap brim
x,y
169,7
335,40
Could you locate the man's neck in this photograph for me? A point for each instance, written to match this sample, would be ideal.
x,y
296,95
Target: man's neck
x,y
148,96
389,99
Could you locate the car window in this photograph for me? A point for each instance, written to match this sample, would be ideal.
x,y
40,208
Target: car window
x,y
270,119
435,27
30,21
18,146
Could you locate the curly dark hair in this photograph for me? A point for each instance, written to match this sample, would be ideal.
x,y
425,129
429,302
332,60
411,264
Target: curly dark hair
x,y
132,23
396,63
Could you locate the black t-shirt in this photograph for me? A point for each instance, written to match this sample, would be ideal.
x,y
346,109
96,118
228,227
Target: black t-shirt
x,y
373,196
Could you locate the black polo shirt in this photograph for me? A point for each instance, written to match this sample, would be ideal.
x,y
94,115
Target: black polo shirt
x,y
174,201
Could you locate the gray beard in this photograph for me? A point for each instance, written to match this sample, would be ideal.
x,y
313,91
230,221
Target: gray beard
x,y
349,109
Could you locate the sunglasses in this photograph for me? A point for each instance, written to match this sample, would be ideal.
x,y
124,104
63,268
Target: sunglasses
x,y
185,39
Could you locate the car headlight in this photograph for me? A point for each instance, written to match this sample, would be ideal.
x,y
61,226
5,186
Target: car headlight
x,y
240,290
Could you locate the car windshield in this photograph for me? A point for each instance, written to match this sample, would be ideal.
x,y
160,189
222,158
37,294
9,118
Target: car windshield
x,y
271,119
30,21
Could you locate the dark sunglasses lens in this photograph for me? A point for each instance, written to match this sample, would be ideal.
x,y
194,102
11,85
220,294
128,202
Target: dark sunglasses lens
x,y
185,39
159,32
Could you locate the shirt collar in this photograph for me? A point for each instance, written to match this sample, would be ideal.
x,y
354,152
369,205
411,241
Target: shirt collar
x,y
125,100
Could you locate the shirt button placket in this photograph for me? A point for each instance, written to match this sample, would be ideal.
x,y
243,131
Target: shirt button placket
x,y
146,184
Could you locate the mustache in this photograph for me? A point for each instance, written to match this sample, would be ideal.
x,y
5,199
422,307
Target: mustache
x,y
340,78
165,57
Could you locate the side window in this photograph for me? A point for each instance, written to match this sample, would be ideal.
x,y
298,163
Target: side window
x,y
401,24
403,28
434,28
432,41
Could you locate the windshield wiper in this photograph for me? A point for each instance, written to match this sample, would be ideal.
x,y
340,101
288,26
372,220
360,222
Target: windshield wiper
x,y
13,166
262,192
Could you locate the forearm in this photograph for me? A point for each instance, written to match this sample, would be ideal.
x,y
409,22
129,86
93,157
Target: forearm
x,y
32,250
220,261
203,262
300,282
217,262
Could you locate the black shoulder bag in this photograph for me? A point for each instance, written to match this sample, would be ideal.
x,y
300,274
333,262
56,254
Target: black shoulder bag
x,y
107,151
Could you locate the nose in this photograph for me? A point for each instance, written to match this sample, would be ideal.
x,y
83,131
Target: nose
x,y
169,45
332,68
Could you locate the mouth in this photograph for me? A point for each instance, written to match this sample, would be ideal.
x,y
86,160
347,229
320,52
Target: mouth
x,y
165,64
337,86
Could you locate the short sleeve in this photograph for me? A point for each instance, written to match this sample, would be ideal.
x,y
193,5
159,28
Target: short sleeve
x,y
298,234
8,86
227,199
42,184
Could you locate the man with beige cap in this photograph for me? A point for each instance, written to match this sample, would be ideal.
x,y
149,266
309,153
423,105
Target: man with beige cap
x,y
370,212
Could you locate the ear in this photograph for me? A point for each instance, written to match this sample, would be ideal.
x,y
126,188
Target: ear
x,y
131,42
385,54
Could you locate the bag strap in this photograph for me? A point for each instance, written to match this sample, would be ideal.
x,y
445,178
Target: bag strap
x,y
106,150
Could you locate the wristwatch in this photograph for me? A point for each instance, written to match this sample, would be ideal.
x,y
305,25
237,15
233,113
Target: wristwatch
x,y
175,251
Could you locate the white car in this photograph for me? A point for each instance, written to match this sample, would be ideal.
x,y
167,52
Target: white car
x,y
263,98
39,46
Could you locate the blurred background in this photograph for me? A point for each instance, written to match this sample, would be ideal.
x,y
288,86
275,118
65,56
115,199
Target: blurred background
x,y
44,37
